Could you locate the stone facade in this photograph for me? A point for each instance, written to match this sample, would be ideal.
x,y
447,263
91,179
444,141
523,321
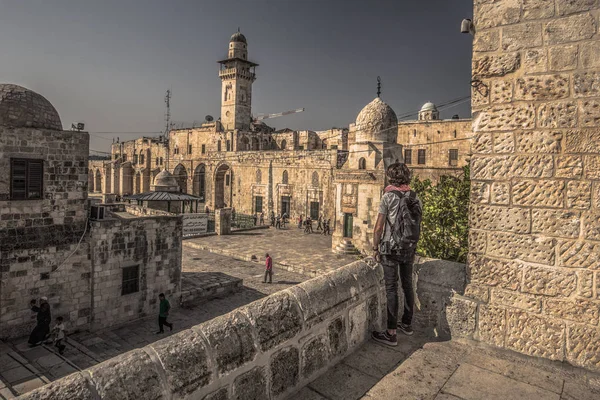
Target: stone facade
x,y
534,245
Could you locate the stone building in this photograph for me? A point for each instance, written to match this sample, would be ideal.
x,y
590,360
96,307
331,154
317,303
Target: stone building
x,y
94,273
434,147
534,252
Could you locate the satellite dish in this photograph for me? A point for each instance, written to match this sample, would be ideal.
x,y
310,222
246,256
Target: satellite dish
x,y
209,118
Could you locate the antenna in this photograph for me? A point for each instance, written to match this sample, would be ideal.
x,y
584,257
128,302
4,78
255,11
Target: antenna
x,y
378,86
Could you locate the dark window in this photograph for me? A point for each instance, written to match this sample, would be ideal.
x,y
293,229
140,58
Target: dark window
x,y
176,151
219,145
141,158
453,157
226,180
116,156
334,147
228,145
156,160
131,280
314,210
421,156
26,179
415,133
284,179
189,149
362,163
407,156
161,161
300,147
124,157
135,158
258,204
203,149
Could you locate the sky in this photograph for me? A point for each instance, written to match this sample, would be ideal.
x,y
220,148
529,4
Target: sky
x,y
109,63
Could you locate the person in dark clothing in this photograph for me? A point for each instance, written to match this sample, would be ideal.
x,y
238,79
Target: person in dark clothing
x,y
327,227
268,269
163,314
397,265
254,218
300,222
278,222
320,223
42,328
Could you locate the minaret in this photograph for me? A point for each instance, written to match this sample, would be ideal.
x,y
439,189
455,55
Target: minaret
x,y
237,75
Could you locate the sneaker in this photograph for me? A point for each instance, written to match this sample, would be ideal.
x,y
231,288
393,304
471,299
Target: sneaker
x,y
406,329
159,332
385,338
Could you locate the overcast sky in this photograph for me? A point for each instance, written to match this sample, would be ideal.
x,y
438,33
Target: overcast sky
x,y
109,62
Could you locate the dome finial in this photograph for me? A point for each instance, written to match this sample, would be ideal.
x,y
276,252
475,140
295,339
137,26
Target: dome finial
x,y
378,86
238,29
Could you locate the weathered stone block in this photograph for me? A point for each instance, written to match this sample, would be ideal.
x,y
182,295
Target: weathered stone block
x,y
230,338
556,222
578,310
535,60
505,117
586,84
562,114
592,167
486,271
74,386
477,241
538,9
569,167
591,226
358,324
490,66
542,87
338,341
590,113
482,144
498,218
477,292
508,298
132,375
492,325
596,195
460,315
589,54
563,58
495,13
585,284
521,36
251,385
315,355
284,367
523,247
583,141
509,166
277,318
583,346
535,336
546,193
504,142
579,194
569,29
502,91
488,40
579,254
538,142
500,193
566,7
480,94
480,192
549,281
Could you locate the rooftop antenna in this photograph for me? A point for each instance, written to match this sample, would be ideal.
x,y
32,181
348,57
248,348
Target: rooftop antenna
x,y
167,121
378,86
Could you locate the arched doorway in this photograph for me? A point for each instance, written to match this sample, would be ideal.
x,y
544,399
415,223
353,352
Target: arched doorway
x,y
245,143
98,183
283,144
223,183
181,176
200,182
255,144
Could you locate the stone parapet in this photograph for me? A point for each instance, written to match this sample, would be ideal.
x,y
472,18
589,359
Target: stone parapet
x,y
266,349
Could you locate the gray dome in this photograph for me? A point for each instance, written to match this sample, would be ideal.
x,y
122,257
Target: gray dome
x,y
377,122
24,108
238,37
165,182
429,106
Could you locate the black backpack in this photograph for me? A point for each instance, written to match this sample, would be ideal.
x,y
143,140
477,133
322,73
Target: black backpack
x,y
406,230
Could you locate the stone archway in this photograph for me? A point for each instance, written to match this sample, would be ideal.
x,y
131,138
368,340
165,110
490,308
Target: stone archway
x,y
181,176
223,183
199,183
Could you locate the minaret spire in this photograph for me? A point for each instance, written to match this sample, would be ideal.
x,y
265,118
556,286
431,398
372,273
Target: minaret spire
x,y
378,86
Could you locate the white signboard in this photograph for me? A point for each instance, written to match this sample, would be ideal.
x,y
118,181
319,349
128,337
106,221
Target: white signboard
x,y
195,224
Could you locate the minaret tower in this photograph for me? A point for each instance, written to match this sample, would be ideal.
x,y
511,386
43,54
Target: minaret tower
x,y
237,75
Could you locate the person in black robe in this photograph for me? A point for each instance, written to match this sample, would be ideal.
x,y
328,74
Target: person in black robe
x,y
42,328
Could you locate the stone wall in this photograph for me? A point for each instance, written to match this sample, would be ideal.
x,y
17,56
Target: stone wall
x,y
141,211
266,349
535,212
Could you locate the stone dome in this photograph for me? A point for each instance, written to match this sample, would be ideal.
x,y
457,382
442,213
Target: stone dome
x,y
238,37
165,182
377,122
429,106
23,108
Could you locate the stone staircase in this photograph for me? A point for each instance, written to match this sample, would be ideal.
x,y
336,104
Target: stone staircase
x,y
345,247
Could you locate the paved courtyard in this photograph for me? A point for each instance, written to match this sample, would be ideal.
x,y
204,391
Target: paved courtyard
x,y
290,248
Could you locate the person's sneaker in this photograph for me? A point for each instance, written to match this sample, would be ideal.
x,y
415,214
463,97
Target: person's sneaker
x,y
385,338
159,332
406,329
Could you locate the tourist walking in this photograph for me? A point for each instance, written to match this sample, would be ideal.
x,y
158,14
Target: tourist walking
x,y
284,220
268,268
262,218
278,222
42,327
272,218
59,335
395,239
308,228
326,227
320,223
255,218
300,222
163,313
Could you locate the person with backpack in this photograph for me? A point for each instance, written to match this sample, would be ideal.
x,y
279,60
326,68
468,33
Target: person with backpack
x,y
395,239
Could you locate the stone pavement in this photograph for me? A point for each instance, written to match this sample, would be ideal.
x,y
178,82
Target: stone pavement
x,y
451,370
290,248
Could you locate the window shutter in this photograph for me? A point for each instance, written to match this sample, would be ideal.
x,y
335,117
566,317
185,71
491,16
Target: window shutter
x,y
34,179
18,179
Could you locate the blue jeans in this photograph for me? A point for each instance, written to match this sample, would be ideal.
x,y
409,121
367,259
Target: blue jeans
x,y
393,268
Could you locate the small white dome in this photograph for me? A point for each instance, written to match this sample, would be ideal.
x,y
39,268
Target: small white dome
x,y
377,122
165,182
429,106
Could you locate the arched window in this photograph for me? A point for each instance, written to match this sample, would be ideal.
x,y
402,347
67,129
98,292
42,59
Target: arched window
x,y
258,176
362,163
315,179
283,144
219,145
284,179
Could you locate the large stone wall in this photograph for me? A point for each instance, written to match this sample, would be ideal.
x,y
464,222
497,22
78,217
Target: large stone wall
x,y
266,349
535,212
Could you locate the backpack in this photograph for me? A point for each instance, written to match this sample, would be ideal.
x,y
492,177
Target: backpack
x,y
406,230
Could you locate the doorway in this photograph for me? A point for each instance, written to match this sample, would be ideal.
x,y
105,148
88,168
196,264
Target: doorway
x,y
348,225
314,210
285,205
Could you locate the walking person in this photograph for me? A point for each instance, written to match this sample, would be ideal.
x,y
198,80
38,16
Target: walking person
x,y
284,219
59,335
326,227
272,218
262,218
310,222
268,268
254,218
395,238
320,223
42,328
278,222
163,314
300,222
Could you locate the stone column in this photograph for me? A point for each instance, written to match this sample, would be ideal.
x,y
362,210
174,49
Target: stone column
x,y
223,221
535,206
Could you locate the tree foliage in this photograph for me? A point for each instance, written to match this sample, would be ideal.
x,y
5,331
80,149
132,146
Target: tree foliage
x,y
445,226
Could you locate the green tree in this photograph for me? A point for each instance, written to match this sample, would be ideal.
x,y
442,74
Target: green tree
x,y
445,226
